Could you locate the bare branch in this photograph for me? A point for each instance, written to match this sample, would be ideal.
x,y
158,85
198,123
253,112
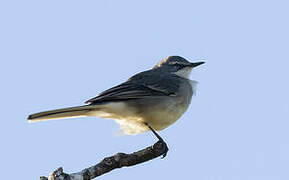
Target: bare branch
x,y
118,160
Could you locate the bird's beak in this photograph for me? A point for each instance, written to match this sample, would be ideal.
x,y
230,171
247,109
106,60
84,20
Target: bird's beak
x,y
196,64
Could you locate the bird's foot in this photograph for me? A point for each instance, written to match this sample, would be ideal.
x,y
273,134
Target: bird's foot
x,y
161,144
162,147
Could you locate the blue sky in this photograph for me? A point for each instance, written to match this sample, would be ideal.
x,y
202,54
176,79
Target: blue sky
x,y
56,54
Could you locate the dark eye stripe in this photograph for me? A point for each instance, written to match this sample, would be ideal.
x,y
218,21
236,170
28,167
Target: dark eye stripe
x,y
180,66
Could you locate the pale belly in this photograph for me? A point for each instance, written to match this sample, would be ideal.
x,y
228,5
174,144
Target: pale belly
x,y
163,118
132,120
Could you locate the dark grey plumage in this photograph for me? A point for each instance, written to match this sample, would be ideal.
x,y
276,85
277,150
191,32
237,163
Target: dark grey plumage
x,y
158,81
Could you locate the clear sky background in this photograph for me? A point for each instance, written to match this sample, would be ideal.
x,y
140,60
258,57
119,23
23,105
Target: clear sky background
x,y
60,53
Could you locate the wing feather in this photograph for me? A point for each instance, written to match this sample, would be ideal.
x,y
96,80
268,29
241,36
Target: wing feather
x,y
140,86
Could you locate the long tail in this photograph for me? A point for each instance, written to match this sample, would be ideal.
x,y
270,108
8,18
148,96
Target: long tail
x,y
72,112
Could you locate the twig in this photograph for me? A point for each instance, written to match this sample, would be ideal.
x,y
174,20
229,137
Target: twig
x,y
118,160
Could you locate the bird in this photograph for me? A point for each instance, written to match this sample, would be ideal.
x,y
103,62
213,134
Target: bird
x,y
150,100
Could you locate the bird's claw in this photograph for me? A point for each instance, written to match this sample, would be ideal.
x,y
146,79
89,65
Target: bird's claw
x,y
164,148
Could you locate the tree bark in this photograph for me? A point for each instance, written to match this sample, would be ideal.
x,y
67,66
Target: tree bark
x,y
118,160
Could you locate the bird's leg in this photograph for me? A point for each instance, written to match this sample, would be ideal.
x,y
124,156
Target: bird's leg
x,y
166,149
155,133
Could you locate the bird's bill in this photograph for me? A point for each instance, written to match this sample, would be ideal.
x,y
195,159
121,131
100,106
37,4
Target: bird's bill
x,y
196,64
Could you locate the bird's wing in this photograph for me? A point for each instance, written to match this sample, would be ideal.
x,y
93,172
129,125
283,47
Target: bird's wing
x,y
139,86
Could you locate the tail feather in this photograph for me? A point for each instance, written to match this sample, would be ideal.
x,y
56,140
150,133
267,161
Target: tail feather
x,y
71,112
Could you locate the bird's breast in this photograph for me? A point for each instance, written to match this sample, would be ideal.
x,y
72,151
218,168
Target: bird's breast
x,y
166,114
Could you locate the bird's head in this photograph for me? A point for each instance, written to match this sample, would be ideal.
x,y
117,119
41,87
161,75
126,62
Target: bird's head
x,y
177,65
